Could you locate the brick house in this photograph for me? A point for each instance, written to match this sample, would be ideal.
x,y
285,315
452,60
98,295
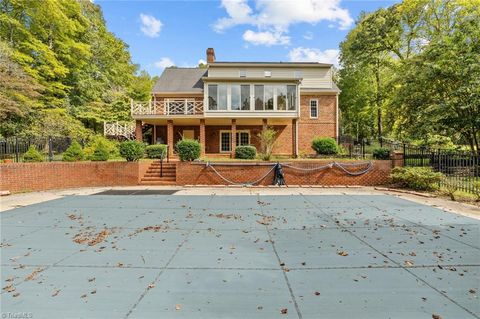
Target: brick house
x,y
227,104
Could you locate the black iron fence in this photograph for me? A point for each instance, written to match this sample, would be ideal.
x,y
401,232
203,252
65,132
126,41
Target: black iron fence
x,y
353,148
461,168
51,147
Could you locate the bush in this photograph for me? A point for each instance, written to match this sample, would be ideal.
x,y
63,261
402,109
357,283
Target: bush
x,y
188,149
32,155
381,153
73,153
417,178
245,152
325,146
476,190
132,151
268,138
94,141
158,151
101,153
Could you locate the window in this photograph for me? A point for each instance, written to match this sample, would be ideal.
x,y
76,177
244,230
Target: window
x,y
268,98
212,96
245,96
243,73
235,94
243,138
268,74
313,108
297,74
259,90
291,97
225,143
281,98
222,97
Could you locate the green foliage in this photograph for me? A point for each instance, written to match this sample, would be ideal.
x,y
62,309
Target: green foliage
x,y
32,155
325,146
245,152
95,140
381,153
188,149
157,151
476,190
132,151
417,178
73,153
268,139
101,153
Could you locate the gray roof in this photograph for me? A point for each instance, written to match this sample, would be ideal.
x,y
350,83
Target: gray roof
x,y
185,80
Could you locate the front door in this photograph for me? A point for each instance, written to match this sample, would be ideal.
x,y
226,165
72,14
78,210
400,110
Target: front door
x,y
225,142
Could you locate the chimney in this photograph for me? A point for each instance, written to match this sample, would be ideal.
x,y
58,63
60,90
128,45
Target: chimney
x,y
210,55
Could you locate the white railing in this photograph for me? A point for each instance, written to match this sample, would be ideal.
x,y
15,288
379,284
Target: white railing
x,y
168,107
126,130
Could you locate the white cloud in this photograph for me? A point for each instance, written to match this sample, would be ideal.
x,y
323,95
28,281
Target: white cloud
x,y
301,54
150,25
266,38
277,16
164,63
202,61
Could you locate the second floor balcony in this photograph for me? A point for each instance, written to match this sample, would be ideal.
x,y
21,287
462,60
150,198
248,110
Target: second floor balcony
x,y
167,107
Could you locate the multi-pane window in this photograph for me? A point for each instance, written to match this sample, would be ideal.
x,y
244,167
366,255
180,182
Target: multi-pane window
x,y
259,90
268,104
245,97
212,96
291,97
243,73
235,95
243,138
268,74
222,97
281,98
225,144
313,108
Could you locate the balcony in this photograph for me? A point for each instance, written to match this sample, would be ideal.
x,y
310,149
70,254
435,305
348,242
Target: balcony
x,y
177,107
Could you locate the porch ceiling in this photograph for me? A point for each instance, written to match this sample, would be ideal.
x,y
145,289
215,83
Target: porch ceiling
x,y
218,121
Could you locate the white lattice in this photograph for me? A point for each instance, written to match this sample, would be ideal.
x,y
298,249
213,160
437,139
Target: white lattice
x,y
126,130
168,107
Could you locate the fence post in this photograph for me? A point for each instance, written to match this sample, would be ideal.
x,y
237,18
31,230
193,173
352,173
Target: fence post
x,y
404,154
50,149
16,150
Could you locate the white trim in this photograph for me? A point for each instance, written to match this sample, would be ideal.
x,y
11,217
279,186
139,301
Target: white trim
x,y
336,119
310,108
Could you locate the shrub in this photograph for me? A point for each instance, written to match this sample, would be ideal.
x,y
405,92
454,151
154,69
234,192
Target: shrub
x,y
100,153
73,153
267,138
32,155
417,178
188,149
158,151
325,146
132,151
94,141
381,153
476,190
245,152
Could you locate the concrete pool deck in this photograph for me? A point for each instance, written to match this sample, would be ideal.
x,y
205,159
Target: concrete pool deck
x,y
237,253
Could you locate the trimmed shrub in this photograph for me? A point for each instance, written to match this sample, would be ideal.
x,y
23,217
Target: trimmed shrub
x,y
32,155
325,146
245,152
158,151
73,153
94,141
476,190
417,178
188,149
101,153
381,153
132,151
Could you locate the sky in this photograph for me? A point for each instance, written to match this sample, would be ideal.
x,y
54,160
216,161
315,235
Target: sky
x,y
162,33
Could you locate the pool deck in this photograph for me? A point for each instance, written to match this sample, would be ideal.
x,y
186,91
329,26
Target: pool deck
x,y
238,253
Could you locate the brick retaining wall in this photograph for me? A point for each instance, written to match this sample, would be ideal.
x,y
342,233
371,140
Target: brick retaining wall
x,y
22,177
198,174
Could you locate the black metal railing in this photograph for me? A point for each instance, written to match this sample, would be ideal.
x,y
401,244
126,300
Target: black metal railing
x,y
51,147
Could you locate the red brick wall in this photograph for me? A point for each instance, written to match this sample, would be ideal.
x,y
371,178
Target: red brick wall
x,y
20,177
199,174
324,125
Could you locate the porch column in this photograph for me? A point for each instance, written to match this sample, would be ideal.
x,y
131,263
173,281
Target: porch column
x,y
154,135
234,136
294,138
264,124
202,137
138,130
170,137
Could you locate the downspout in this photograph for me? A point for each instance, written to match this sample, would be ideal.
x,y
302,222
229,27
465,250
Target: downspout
x,y
336,119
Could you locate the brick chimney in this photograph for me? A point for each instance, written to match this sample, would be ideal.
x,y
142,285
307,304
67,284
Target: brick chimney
x,y
210,55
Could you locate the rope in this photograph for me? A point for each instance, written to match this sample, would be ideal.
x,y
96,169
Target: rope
x,y
240,184
369,168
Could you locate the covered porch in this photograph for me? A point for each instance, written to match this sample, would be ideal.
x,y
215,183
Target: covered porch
x,y
219,136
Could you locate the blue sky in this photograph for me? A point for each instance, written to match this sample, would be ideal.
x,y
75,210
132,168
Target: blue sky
x,y
162,33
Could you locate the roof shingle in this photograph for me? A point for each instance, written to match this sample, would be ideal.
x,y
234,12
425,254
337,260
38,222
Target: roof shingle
x,y
185,80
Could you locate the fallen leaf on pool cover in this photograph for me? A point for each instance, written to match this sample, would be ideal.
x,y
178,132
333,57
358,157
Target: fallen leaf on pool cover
x,y
434,316
472,291
9,288
91,279
152,285
83,296
178,307
16,294
408,263
284,311
34,274
317,293
342,253
55,292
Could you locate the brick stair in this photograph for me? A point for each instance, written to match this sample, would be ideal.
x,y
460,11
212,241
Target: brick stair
x,y
152,176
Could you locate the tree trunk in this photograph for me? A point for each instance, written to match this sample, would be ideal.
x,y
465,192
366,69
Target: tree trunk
x,y
378,101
